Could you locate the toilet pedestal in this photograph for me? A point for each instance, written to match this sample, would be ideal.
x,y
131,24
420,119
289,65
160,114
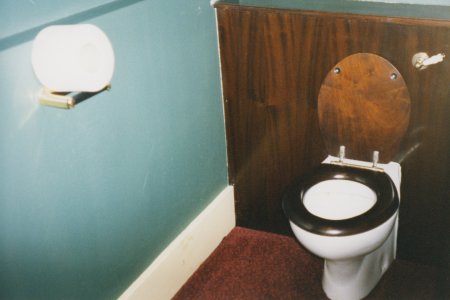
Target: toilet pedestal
x,y
355,278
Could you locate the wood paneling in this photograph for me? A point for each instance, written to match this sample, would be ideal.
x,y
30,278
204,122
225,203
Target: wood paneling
x,y
273,64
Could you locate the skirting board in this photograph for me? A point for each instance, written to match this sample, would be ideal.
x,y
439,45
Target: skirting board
x,y
173,267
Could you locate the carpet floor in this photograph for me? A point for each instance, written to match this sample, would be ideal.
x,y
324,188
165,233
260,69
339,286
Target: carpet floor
x,y
251,264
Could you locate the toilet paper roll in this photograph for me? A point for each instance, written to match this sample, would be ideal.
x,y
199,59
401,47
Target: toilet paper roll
x,y
68,58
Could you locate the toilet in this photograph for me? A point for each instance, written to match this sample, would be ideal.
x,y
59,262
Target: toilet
x,y
346,209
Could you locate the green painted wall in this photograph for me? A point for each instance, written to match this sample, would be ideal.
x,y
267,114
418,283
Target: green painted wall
x,y
89,197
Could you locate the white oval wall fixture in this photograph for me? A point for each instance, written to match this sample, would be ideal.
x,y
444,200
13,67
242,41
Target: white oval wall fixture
x,y
72,62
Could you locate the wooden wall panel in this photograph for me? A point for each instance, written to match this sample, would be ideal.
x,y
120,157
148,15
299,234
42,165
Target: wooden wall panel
x,y
273,63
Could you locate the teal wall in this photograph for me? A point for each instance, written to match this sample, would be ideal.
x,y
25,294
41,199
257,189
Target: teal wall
x,y
89,197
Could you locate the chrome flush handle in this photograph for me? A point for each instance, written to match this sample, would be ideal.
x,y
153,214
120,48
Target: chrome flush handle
x,y
421,60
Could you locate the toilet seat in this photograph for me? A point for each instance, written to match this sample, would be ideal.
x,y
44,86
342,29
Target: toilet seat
x,y
386,205
364,105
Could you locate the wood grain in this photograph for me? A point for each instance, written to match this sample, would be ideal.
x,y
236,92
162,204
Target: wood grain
x,y
364,105
273,64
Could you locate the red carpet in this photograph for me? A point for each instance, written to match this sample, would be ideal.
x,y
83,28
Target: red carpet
x,y
251,264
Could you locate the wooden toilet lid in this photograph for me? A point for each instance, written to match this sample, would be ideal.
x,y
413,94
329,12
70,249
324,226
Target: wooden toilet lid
x,y
364,105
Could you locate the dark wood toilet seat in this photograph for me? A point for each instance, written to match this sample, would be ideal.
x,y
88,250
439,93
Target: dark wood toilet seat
x,y
386,205
364,105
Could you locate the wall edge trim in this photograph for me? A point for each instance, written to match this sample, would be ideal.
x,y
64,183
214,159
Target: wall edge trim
x,y
173,267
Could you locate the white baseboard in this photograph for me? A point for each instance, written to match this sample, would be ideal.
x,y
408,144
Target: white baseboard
x,y
173,267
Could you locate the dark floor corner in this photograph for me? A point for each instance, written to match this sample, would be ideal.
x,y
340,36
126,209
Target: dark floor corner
x,y
251,264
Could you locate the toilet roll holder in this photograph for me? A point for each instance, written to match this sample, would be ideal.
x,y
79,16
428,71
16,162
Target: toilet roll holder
x,y
65,100
73,63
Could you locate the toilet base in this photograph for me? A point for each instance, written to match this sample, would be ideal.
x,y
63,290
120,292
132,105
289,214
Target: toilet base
x,y
355,278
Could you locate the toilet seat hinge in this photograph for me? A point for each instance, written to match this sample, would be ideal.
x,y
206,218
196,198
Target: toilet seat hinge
x,y
341,153
375,158
374,167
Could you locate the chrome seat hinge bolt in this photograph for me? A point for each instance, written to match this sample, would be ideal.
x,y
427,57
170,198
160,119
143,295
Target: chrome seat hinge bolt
x,y
341,153
375,158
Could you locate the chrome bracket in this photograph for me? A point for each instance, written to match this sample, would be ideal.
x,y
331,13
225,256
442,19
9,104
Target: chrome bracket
x,y
65,100
341,162
421,60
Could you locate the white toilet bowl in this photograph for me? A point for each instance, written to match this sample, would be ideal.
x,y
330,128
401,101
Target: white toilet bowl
x,y
346,211
354,264
354,259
